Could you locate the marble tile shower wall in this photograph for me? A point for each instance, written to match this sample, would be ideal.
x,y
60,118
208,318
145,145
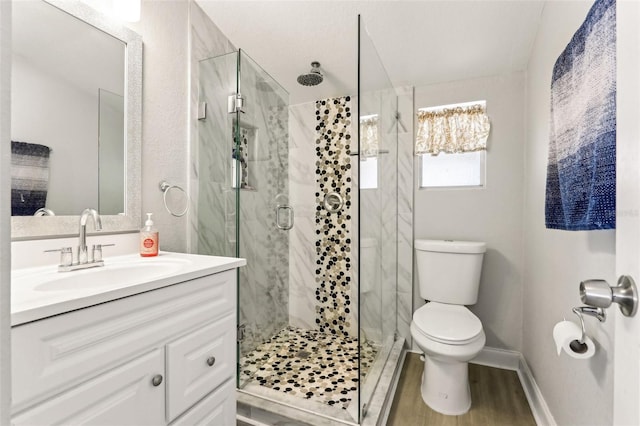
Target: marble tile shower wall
x,y
388,170
378,225
302,188
370,267
384,210
405,211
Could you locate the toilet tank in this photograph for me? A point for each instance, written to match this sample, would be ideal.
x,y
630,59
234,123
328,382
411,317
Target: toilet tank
x,y
449,271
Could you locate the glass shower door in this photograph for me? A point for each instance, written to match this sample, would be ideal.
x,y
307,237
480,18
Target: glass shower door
x,y
216,197
243,200
378,203
260,158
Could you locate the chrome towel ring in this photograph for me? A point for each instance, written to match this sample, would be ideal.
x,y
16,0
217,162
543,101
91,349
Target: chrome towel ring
x,y
165,187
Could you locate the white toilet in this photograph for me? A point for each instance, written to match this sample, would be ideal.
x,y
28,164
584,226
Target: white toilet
x,y
446,331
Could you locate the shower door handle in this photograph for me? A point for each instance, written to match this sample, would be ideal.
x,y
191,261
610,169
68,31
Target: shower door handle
x,y
289,224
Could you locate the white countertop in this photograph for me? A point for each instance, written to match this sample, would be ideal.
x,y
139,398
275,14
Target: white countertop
x,y
41,292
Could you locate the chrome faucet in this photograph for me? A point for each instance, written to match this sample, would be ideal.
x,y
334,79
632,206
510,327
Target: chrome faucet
x,y
82,234
43,211
66,253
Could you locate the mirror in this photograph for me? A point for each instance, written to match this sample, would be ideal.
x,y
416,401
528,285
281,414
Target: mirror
x,y
75,119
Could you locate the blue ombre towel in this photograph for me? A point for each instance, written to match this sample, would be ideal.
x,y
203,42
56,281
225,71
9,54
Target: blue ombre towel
x,y
581,174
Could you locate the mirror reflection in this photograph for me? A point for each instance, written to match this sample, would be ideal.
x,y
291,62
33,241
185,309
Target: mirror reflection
x,y
67,114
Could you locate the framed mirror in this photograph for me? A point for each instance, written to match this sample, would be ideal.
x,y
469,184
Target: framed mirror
x,y
75,119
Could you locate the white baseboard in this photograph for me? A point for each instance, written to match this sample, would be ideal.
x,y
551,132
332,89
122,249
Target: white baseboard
x,y
513,360
538,405
498,358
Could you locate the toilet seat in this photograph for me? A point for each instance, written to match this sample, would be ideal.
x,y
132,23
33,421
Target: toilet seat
x,y
447,324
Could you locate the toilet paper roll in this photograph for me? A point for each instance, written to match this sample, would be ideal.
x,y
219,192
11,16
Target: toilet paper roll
x,y
566,332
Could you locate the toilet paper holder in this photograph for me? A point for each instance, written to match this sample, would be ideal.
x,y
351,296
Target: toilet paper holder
x,y
579,346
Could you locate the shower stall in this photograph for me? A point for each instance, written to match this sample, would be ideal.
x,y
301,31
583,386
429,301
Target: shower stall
x,y
308,195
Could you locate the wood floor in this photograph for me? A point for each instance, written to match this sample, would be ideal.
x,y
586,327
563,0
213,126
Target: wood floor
x,y
497,399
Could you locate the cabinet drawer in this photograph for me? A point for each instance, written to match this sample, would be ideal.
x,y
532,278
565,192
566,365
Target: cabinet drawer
x,y
198,363
216,409
113,398
54,354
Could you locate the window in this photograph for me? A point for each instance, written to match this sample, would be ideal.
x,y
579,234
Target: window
x,y
369,151
451,141
369,173
453,170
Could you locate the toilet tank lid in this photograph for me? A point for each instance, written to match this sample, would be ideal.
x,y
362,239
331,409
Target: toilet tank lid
x,y
451,246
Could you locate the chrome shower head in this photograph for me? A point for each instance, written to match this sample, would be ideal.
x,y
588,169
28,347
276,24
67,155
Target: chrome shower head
x,y
313,78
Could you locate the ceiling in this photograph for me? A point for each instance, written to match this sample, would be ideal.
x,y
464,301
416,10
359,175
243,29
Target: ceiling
x,y
419,42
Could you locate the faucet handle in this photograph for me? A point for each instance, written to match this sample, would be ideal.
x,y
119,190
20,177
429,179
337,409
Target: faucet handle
x,y
97,251
66,255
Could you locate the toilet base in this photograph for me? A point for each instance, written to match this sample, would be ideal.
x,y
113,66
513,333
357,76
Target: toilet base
x,y
445,386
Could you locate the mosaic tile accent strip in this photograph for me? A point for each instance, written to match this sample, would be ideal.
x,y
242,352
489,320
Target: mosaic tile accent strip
x,y
333,175
309,364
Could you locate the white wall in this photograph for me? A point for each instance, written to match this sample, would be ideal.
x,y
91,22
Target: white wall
x,y
492,214
5,212
164,27
577,392
50,111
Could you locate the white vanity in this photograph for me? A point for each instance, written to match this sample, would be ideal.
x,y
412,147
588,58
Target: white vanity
x,y
138,342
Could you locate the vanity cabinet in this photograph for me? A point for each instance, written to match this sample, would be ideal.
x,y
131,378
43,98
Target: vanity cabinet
x,y
165,356
115,398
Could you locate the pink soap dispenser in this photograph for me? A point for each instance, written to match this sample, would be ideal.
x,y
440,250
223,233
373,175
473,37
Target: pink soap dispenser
x,y
149,239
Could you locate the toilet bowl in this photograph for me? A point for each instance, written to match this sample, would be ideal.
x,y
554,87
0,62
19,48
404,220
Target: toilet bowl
x,y
449,336
448,333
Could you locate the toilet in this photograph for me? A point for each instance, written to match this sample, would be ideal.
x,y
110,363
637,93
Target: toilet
x,y
448,333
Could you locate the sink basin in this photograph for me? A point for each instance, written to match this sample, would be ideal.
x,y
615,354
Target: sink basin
x,y
110,275
41,292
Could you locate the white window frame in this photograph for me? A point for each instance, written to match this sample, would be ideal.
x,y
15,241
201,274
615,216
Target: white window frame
x,y
483,157
483,177
377,183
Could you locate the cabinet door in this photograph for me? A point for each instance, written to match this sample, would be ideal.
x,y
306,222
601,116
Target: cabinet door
x,y
198,363
123,396
216,409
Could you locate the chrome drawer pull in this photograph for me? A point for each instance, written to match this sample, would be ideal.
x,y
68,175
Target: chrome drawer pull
x,y
157,379
211,360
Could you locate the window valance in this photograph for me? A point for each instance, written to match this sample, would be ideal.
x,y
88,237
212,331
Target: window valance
x,y
369,145
451,130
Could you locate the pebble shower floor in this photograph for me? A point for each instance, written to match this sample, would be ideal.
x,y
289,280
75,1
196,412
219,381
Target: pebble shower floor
x,y
309,364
